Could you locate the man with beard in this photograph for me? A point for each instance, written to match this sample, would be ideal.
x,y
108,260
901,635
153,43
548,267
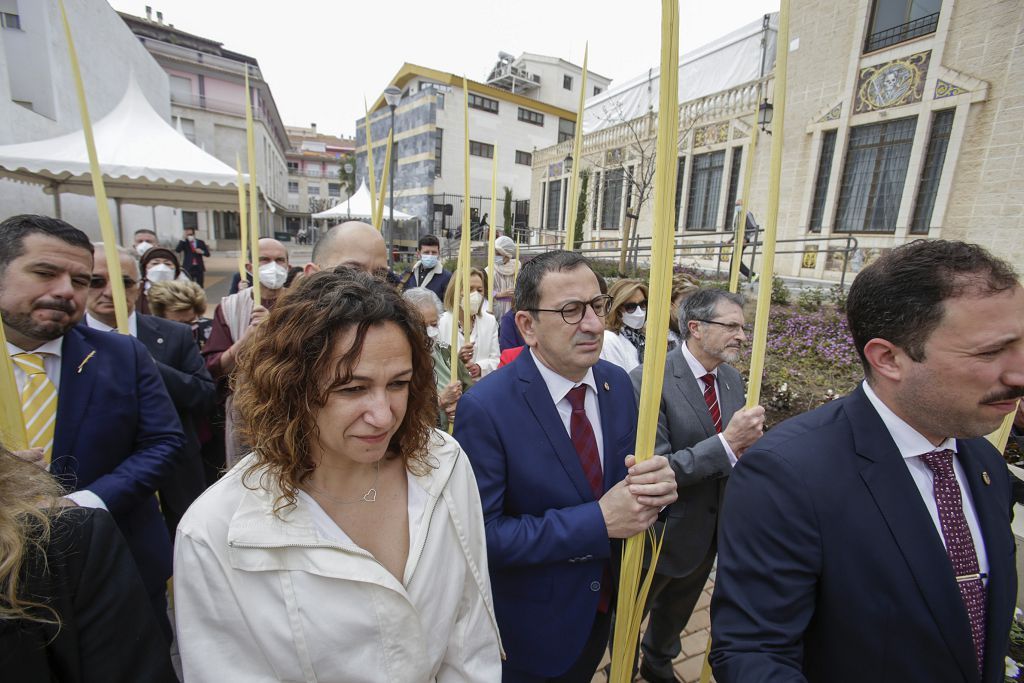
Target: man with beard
x,y
96,411
869,539
703,429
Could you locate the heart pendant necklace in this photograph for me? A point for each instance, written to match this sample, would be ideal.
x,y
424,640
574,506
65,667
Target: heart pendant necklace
x,y
369,497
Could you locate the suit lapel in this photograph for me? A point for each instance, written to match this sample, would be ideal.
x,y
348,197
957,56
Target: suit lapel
x,y
691,389
538,398
78,368
730,393
149,335
898,499
613,465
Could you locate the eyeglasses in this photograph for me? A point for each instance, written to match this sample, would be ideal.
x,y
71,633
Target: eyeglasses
x,y
574,311
732,327
631,306
99,282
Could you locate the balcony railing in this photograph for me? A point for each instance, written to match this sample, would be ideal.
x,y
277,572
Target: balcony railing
x,y
897,34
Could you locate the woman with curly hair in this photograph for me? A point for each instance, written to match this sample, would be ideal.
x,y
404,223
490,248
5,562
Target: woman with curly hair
x,y
70,594
349,545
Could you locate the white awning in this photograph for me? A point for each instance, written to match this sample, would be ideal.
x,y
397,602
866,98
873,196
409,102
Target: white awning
x,y
358,207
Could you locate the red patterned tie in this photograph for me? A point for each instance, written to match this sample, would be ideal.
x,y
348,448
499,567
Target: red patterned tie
x,y
583,440
711,398
959,544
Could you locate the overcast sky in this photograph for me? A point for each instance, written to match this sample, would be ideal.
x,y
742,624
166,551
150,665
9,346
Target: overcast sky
x,y
321,57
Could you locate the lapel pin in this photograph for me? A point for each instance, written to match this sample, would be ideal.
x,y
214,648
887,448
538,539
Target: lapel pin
x,y
606,387
160,340
86,360
985,478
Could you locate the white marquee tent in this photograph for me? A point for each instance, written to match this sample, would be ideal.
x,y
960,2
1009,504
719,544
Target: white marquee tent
x,y
357,207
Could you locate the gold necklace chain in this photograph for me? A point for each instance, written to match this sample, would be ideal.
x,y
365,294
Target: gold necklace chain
x,y
369,497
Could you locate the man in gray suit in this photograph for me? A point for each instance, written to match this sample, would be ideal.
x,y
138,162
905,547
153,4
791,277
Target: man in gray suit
x,y
703,429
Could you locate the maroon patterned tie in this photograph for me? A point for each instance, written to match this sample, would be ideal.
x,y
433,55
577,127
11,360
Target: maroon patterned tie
x,y
583,440
711,398
959,544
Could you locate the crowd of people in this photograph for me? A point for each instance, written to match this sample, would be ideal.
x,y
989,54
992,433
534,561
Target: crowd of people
x,y
329,491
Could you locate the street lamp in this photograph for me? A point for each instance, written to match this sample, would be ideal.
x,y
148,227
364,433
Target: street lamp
x,y
349,181
764,115
392,95
567,163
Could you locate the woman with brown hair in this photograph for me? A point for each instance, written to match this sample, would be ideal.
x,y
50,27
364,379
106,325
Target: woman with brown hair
x,y
481,352
70,594
349,545
624,336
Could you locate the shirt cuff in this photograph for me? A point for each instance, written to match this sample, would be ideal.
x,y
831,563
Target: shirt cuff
x,y
728,451
87,499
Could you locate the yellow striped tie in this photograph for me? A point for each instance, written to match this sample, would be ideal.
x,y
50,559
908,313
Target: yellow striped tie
x,y
38,402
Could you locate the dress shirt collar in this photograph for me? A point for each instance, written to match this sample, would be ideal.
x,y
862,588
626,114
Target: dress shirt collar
x,y
52,347
696,367
910,442
559,386
96,324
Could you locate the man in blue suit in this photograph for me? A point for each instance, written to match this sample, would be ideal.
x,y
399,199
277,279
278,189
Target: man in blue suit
x,y
869,540
115,433
550,438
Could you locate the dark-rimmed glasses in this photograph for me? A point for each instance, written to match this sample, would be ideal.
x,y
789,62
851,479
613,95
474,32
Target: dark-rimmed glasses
x,y
631,306
732,327
99,282
574,311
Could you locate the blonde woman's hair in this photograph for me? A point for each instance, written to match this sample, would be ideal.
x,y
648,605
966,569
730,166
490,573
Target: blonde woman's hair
x,y
27,506
620,292
176,295
449,293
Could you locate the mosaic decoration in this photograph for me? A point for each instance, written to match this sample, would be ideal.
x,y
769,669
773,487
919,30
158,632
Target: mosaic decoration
x,y
710,135
810,256
555,169
738,134
944,89
892,84
833,114
613,156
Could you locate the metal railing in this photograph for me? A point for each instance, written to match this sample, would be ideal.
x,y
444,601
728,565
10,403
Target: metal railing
x,y
897,34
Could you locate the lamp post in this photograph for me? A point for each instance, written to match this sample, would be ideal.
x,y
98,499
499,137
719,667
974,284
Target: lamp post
x,y
349,181
392,95
765,112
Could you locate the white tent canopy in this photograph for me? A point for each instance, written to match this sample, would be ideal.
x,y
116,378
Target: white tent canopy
x,y
358,206
143,158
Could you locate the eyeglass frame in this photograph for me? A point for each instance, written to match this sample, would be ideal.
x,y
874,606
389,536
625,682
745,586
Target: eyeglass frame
x,y
635,304
607,299
732,327
127,281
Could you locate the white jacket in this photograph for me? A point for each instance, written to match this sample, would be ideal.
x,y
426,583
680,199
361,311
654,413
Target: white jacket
x,y
486,352
619,350
264,598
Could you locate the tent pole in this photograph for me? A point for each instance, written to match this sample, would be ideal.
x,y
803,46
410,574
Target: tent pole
x,y
120,225
56,201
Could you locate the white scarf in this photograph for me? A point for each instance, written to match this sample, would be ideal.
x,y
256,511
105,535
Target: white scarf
x,y
436,270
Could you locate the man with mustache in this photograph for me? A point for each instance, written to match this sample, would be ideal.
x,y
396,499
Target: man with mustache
x,y
703,429
96,412
869,539
550,438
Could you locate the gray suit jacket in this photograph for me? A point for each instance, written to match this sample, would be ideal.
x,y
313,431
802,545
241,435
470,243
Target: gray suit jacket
x,y
686,436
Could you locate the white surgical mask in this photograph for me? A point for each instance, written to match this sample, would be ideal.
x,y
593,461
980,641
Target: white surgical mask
x,y
635,320
273,275
432,331
476,299
142,247
161,272
429,261
499,259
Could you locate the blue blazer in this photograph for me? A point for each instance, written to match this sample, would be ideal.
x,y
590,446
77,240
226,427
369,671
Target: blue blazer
x,y
547,545
831,569
117,434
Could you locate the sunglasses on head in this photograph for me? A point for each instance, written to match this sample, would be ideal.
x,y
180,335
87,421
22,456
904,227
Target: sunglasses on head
x,y
99,282
631,306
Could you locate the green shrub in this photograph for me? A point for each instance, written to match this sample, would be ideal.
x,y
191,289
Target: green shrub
x,y
780,293
811,299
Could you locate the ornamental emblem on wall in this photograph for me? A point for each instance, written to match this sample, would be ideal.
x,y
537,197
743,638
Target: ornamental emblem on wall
x,y
892,84
711,135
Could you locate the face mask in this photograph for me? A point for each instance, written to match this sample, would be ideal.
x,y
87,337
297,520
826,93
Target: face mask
x,y
499,259
634,320
476,299
272,275
432,331
142,247
160,272
429,261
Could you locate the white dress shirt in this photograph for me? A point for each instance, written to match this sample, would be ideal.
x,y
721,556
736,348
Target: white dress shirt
x,y
559,388
698,372
51,352
97,324
912,445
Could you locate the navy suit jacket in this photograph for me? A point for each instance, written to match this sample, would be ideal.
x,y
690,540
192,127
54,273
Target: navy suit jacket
x,y
831,569
117,434
547,544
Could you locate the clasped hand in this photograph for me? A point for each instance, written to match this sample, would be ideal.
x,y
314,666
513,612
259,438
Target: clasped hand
x,y
633,504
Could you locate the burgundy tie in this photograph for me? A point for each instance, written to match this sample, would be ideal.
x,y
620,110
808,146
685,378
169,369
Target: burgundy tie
x,y
959,544
711,398
583,440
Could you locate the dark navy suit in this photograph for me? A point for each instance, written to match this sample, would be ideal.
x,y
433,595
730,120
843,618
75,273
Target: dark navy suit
x,y
831,569
118,435
547,544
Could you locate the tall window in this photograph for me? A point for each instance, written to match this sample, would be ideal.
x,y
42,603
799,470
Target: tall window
x,y
734,183
611,201
530,116
554,204
828,148
705,190
894,21
873,176
597,200
483,103
438,140
679,189
567,82
566,129
481,149
938,141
